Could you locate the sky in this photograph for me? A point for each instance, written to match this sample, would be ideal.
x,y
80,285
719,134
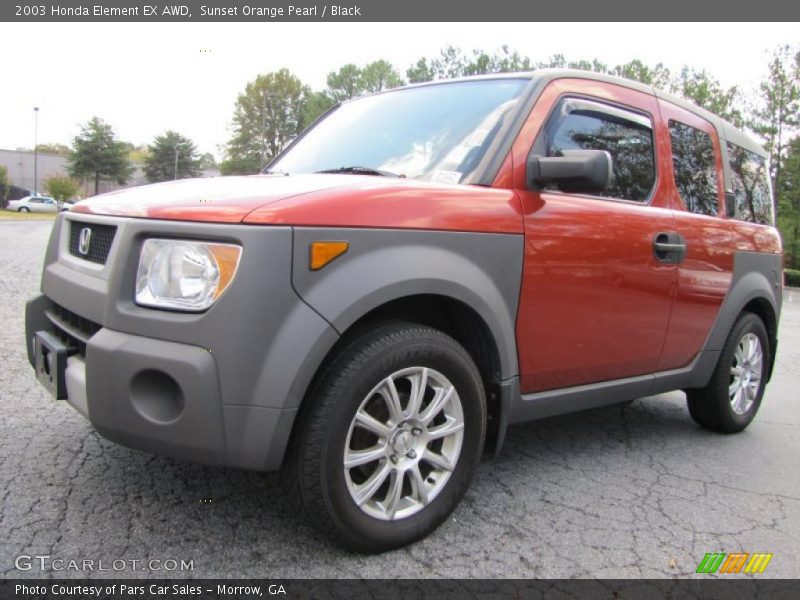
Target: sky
x,y
146,78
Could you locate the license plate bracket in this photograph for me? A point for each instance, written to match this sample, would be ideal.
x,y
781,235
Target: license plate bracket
x,y
50,358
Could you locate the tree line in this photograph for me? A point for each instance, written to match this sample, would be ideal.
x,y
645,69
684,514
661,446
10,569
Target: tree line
x,y
275,107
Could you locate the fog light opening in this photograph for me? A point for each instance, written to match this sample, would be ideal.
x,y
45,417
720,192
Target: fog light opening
x,y
156,396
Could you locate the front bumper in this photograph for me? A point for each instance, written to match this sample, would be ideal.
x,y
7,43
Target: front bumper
x,y
221,387
164,397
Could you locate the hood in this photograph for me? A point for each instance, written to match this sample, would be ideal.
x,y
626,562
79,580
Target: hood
x,y
319,200
216,199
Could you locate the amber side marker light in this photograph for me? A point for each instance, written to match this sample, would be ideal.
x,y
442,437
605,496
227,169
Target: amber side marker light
x,y
227,257
324,252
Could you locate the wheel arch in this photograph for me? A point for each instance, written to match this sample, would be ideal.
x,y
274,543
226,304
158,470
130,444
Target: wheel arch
x,y
458,320
756,288
762,308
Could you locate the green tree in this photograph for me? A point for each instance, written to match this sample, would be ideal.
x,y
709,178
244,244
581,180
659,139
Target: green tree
x,y
658,76
420,72
138,154
239,166
61,188
207,161
5,186
788,195
704,90
54,149
511,61
345,83
379,75
453,62
351,81
480,64
503,60
779,104
450,63
593,65
171,156
98,154
557,61
317,104
268,114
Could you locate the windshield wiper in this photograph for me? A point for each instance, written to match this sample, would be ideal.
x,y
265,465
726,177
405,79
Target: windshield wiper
x,y
356,170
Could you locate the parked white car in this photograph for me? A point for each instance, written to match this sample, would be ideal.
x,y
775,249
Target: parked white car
x,y
35,204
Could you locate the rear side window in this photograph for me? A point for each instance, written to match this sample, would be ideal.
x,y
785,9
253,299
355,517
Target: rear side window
x,y
750,186
628,136
695,168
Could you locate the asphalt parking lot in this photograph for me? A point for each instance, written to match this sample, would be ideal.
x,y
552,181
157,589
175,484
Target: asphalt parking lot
x,y
622,492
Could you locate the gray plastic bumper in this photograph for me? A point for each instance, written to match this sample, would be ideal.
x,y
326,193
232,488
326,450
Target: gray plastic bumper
x,y
220,387
164,397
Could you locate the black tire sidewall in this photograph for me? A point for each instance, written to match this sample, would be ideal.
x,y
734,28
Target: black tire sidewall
x,y
749,323
360,530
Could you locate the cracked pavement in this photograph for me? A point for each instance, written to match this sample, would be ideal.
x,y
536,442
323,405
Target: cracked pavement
x,y
639,491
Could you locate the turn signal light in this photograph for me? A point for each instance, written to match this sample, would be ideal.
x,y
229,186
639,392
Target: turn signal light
x,y
324,252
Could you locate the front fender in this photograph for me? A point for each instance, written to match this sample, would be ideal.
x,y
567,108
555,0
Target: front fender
x,y
481,270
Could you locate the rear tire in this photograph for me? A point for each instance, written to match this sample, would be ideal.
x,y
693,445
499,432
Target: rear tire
x,y
730,401
412,398
23,209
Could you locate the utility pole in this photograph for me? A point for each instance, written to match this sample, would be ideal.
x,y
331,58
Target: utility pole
x,y
176,162
35,150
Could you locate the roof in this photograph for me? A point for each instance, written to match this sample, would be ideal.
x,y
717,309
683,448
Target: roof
x,y
725,129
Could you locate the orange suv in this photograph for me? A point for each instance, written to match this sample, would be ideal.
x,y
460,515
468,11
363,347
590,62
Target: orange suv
x,y
420,269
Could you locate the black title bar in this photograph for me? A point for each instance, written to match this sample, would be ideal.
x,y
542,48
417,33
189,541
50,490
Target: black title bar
x,y
418,589
404,10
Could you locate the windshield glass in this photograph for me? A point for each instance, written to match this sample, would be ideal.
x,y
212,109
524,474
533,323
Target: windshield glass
x,y
435,133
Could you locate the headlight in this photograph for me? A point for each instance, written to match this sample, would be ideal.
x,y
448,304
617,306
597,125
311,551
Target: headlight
x,y
184,275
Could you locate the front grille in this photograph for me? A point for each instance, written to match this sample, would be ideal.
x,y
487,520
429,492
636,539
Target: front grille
x,y
70,328
100,240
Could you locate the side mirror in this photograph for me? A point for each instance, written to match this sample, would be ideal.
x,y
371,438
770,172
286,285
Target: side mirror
x,y
578,171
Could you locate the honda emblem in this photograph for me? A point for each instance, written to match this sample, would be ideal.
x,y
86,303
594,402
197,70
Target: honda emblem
x,y
84,240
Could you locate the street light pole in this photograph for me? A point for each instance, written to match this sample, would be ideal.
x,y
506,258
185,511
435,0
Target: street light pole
x,y
176,162
35,150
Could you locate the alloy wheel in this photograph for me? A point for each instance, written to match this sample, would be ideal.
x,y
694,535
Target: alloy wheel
x,y
404,443
746,373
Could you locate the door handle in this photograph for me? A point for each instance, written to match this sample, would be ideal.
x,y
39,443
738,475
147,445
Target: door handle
x,y
669,247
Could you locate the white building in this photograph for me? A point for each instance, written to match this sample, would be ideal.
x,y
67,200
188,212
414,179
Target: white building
x,y
20,171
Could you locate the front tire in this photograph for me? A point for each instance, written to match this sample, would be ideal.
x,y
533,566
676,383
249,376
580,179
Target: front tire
x,y
733,396
390,439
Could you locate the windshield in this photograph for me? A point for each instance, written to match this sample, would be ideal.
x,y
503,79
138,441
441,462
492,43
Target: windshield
x,y
435,132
